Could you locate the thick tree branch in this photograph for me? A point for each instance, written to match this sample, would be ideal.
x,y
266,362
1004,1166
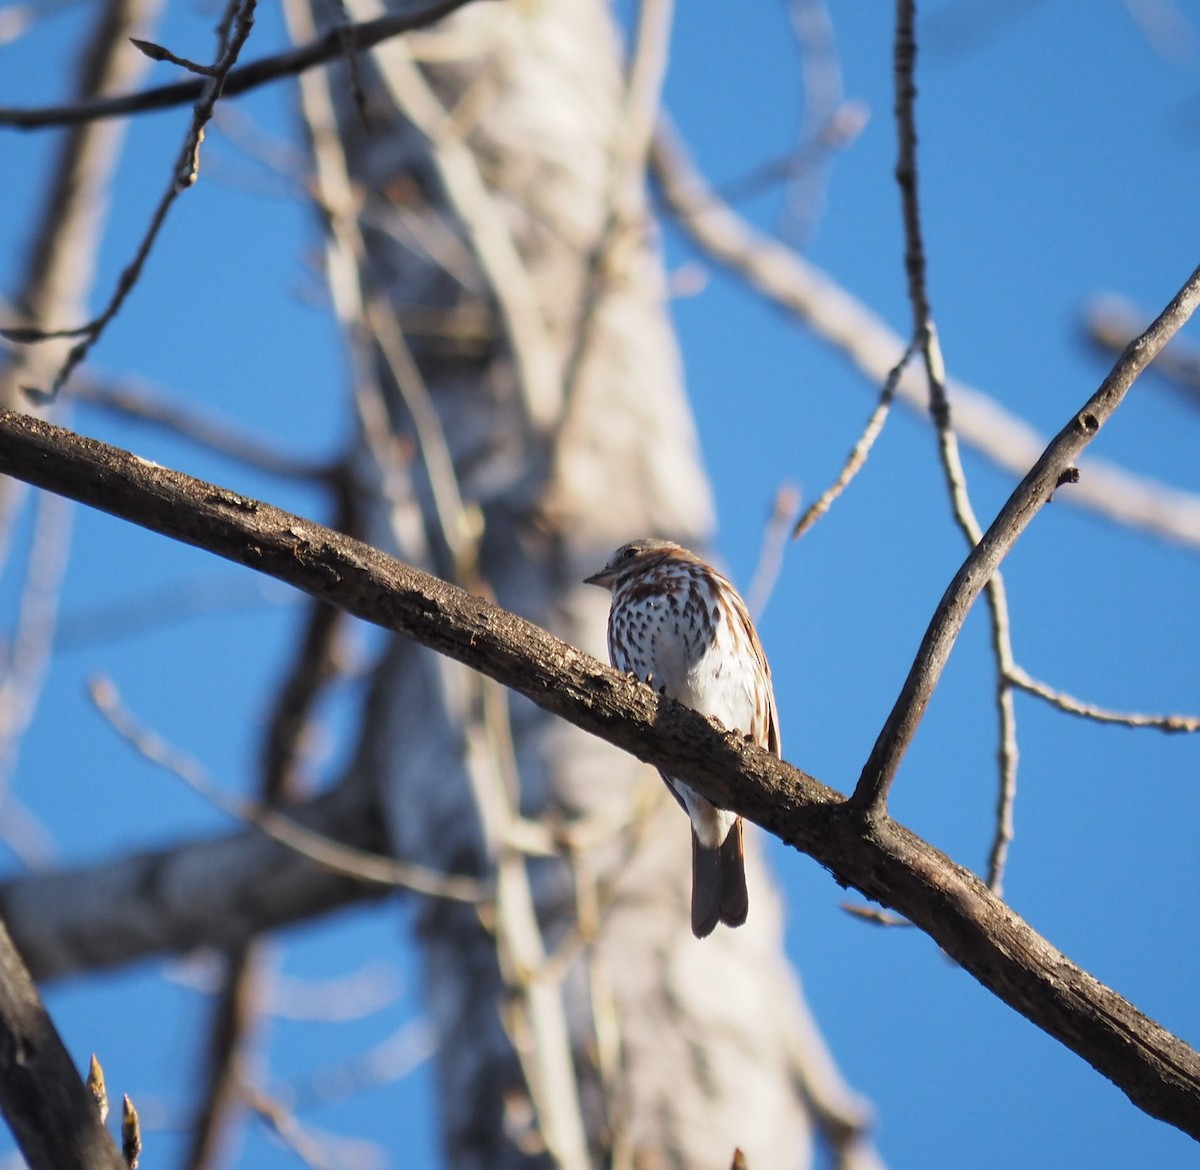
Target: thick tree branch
x,y
335,43
214,893
45,1102
883,860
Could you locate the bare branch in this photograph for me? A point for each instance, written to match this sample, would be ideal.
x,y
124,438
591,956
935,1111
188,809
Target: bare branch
x,y
213,892
1112,322
857,458
1055,467
155,408
925,339
358,37
1072,706
49,1109
183,177
878,857
770,551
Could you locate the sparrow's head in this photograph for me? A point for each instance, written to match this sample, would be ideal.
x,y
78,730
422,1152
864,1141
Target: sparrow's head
x,y
634,558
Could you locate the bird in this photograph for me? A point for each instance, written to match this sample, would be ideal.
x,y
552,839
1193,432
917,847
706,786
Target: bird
x,y
679,626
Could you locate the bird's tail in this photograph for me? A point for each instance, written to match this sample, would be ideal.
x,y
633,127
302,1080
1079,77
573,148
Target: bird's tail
x,y
718,883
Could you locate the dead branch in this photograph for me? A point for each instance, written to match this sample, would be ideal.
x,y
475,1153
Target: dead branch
x,y
335,43
49,1109
925,339
1055,468
875,855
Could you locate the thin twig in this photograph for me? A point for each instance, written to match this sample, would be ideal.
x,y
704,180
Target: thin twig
x,y
287,1127
175,601
1007,750
844,125
32,645
857,458
1072,706
391,1060
144,404
824,125
413,14
873,914
183,177
159,53
771,549
925,338
323,851
350,59
1111,322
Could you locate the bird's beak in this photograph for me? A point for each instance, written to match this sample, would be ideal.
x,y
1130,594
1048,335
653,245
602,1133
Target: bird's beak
x,y
603,578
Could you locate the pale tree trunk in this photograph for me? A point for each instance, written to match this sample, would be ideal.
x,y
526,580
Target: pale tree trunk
x,y
559,400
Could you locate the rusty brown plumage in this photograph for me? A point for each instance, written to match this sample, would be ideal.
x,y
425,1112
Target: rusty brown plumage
x,y
681,627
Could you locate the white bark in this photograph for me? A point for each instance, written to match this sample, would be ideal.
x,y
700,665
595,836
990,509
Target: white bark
x,y
682,1050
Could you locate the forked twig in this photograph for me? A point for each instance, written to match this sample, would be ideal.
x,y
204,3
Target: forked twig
x,y
1055,467
183,177
412,14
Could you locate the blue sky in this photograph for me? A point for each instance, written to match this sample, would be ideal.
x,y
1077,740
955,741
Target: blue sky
x,y
1059,157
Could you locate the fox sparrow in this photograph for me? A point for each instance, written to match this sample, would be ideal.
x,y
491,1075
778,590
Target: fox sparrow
x,y
678,625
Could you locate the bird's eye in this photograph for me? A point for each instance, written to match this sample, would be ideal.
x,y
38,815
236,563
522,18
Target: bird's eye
x,y
628,554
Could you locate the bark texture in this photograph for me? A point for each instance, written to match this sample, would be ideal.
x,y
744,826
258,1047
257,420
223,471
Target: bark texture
x,y
866,850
